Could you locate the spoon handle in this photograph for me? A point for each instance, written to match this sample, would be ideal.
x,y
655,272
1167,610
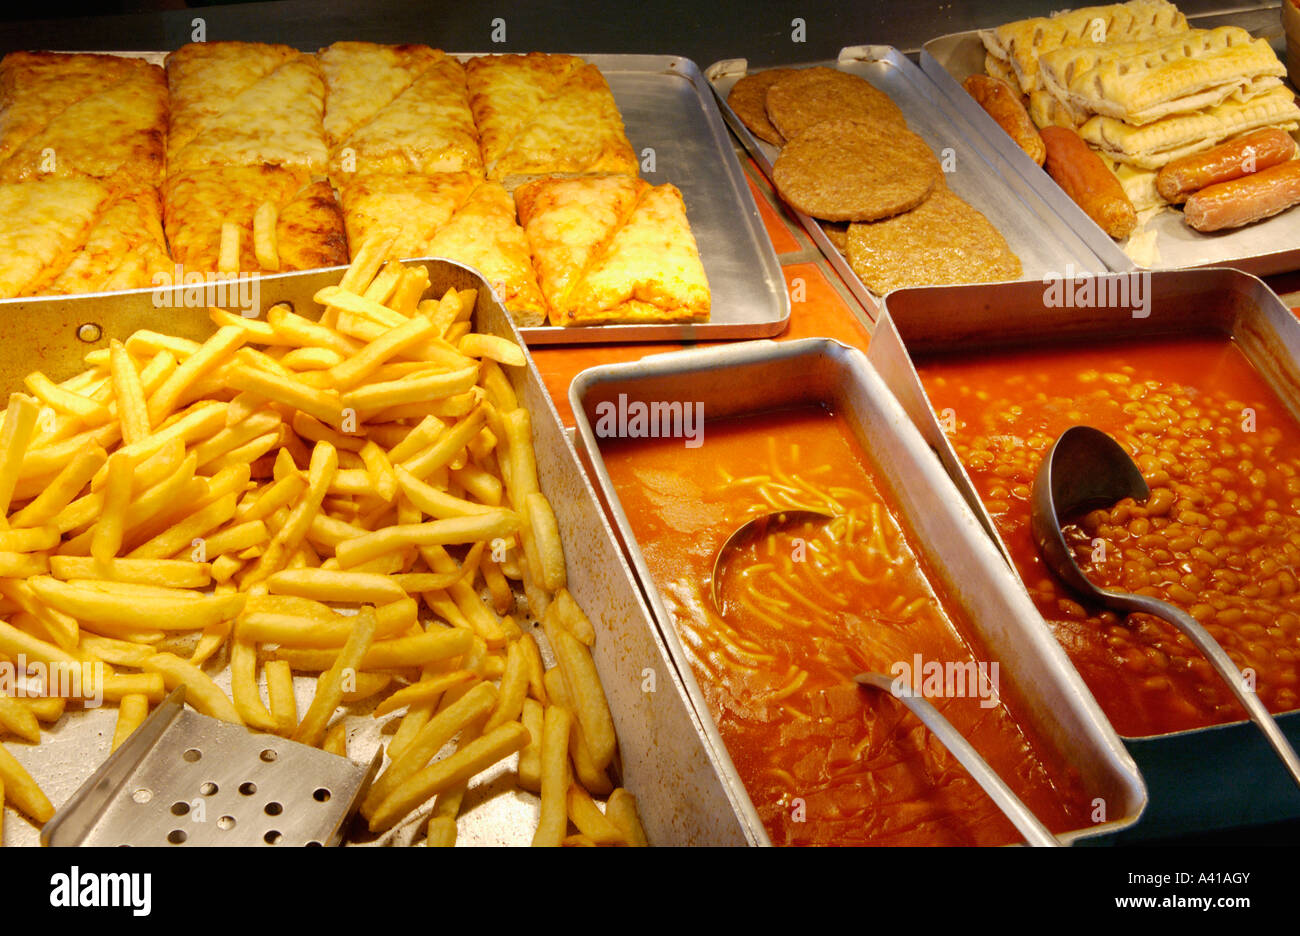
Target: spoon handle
x,y
1220,660
1012,807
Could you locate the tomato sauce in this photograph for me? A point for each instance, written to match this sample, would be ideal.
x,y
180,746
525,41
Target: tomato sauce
x,y
806,608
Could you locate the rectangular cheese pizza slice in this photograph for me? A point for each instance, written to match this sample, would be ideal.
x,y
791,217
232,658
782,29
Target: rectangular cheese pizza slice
x,y
42,227
124,248
545,114
362,78
643,267
245,104
426,128
64,115
455,215
308,229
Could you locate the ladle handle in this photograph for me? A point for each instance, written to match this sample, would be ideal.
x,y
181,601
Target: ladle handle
x,y
1012,807
1222,663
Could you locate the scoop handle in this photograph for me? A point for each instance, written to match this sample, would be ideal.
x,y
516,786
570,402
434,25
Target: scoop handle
x,y
1222,664
1012,806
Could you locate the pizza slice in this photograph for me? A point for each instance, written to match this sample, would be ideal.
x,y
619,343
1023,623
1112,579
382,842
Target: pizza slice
x,y
308,231
124,249
540,114
245,104
42,226
455,215
64,115
612,250
362,78
426,128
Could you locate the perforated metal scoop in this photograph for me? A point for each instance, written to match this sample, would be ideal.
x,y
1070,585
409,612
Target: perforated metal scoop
x,y
186,779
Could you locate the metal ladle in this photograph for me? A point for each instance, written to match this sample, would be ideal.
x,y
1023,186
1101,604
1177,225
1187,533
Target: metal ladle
x,y
1095,471
1004,798
752,529
1020,815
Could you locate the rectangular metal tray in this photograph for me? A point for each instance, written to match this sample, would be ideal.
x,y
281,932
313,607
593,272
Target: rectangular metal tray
x,y
763,375
982,177
1265,248
682,800
673,123
1205,779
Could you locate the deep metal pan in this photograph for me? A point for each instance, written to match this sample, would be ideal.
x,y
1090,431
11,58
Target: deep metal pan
x,y
1208,778
760,376
665,764
1269,247
980,176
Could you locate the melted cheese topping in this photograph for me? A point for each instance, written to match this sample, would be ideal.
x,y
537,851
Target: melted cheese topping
x,y
411,207
276,120
42,224
506,90
426,128
124,249
362,78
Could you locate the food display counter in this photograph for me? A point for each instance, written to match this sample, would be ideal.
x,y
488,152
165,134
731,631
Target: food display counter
x,y
390,384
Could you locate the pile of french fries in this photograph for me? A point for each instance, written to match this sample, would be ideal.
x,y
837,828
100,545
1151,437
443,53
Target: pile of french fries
x,y
285,496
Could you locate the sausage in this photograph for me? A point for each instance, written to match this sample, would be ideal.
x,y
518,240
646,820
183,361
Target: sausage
x,y
1225,162
1085,178
1002,103
1242,201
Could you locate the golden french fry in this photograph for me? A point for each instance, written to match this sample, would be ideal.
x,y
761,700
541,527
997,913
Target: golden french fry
x,y
61,491
324,585
336,740
213,352
116,652
546,538
128,390
185,611
131,712
620,809
21,790
200,691
553,822
442,832
18,720
593,778
166,573
530,758
15,434
502,350
514,687
112,520
120,685
572,618
243,686
329,689
469,760
591,822
423,691
476,703
468,529
265,246
228,252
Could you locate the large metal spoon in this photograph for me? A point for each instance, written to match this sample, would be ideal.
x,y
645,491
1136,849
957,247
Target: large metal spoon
x,y
752,529
1012,806
1086,469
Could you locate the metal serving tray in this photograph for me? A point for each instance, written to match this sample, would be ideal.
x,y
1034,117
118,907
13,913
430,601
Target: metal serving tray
x,y
982,177
673,124
664,762
762,375
1204,779
1265,248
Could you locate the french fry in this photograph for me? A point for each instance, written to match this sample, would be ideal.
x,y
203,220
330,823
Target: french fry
x,y
502,350
336,740
620,809
131,713
62,490
530,758
590,821
324,585
128,390
553,822
120,685
329,690
546,538
243,687
228,252
18,720
213,352
514,687
279,689
145,611
422,691
476,703
200,691
109,530
472,759
15,434
21,790
593,778
442,832
166,573
265,246
467,529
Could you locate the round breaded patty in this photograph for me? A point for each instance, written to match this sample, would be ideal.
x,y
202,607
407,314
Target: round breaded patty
x,y
813,95
748,98
841,170
943,241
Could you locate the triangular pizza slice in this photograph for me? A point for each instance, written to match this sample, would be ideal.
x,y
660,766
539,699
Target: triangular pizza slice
x,y
124,249
276,119
426,128
362,78
601,260
455,215
506,90
78,126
